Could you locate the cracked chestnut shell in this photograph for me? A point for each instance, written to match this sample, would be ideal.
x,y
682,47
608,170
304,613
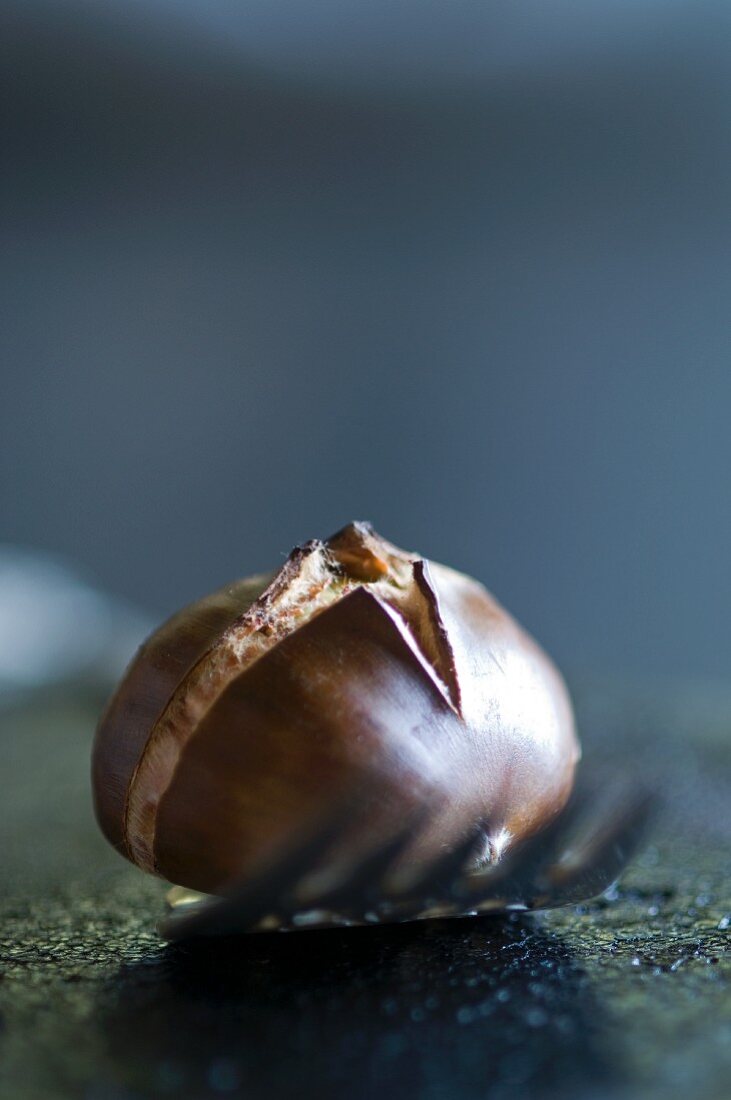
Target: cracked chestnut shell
x,y
250,712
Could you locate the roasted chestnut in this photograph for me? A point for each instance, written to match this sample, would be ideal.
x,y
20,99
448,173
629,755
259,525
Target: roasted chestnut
x,y
251,711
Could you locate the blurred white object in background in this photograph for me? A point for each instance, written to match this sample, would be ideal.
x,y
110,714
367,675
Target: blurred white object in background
x,y
55,627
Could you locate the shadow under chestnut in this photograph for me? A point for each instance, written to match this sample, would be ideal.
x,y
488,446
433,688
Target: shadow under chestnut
x,y
434,1009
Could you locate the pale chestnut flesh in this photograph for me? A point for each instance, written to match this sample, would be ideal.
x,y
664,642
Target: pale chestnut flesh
x,y
249,713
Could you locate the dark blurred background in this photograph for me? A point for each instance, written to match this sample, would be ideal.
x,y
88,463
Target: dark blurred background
x,y
461,268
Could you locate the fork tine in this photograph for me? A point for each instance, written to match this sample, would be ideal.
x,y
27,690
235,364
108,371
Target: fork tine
x,y
556,878
515,874
362,887
600,856
433,881
262,894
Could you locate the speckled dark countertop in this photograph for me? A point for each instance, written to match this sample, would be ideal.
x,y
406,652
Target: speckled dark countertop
x,y
627,997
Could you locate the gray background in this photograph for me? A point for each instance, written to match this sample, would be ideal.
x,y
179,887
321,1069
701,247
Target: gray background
x,y
459,268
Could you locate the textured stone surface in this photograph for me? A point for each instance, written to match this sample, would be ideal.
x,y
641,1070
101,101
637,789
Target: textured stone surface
x,y
629,996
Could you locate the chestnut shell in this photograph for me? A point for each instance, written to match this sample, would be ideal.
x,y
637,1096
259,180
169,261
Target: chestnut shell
x,y
252,710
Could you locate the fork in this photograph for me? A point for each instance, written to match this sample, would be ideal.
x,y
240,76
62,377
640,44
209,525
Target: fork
x,y
578,856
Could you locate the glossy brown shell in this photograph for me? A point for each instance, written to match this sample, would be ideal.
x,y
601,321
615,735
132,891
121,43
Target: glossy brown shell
x,y
159,666
412,675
